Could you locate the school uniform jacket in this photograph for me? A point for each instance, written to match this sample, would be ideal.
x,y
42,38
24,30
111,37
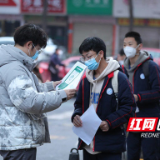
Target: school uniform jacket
x,y
112,141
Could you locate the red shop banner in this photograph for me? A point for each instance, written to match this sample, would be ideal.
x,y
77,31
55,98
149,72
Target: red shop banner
x,y
7,3
36,6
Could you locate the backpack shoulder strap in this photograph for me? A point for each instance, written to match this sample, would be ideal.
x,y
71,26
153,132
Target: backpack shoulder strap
x,y
115,85
145,68
115,81
115,89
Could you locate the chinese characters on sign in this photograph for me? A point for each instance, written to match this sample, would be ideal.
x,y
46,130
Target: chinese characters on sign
x,y
96,2
140,22
10,7
36,6
142,124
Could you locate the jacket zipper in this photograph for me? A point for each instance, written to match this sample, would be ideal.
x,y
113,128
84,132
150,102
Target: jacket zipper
x,y
133,83
134,74
133,79
97,109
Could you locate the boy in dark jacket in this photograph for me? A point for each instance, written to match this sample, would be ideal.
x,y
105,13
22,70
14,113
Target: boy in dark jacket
x,y
146,88
96,89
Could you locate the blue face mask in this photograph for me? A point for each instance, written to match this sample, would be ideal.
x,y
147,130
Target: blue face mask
x,y
35,56
92,64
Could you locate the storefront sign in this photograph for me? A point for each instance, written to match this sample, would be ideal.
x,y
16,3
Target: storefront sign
x,y
7,3
140,22
141,8
89,7
10,7
36,6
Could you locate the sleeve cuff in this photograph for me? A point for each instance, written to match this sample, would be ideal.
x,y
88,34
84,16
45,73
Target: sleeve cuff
x,y
139,97
63,95
50,86
109,123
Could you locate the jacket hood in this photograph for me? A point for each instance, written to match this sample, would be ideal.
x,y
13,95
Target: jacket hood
x,y
142,57
112,66
11,54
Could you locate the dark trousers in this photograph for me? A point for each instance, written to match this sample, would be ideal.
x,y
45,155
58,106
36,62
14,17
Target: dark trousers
x,y
135,143
22,154
101,156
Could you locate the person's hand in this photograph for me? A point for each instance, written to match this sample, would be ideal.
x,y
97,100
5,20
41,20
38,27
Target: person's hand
x,y
70,93
104,126
56,83
135,97
77,121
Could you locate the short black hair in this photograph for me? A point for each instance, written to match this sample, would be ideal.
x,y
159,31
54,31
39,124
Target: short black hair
x,y
93,43
57,49
30,32
121,52
135,35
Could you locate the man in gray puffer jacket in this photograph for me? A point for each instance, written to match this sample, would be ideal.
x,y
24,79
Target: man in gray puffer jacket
x,y
23,100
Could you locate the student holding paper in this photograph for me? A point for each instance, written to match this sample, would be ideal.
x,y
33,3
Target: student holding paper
x,y
96,89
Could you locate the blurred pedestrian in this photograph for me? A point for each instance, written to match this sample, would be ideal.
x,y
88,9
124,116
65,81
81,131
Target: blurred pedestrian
x,y
144,75
24,101
121,56
96,89
55,62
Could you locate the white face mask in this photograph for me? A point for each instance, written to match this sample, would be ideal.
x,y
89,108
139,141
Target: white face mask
x,y
130,52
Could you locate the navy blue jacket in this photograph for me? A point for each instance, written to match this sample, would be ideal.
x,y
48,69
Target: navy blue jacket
x,y
55,60
147,89
112,141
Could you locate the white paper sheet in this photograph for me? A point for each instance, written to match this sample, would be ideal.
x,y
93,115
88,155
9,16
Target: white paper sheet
x,y
137,109
73,77
90,125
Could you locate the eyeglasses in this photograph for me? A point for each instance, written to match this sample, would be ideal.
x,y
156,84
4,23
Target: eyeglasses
x,y
86,58
39,51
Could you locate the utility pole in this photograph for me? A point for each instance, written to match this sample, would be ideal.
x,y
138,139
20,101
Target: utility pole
x,y
44,16
131,18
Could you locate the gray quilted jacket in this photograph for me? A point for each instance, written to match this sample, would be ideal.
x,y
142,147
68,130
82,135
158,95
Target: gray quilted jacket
x,y
23,102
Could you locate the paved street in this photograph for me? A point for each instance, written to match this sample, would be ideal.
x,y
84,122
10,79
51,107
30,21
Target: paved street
x,y
63,139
